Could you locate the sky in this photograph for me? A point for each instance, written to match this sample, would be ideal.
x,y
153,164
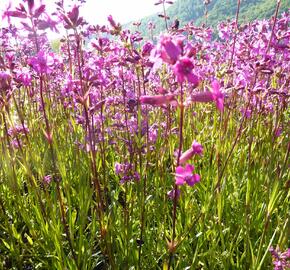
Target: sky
x,y
122,11
97,11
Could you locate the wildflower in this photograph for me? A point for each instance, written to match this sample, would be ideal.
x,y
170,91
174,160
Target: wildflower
x,y
24,76
126,173
119,168
47,179
158,100
153,133
18,130
170,51
14,13
30,4
278,131
47,23
281,261
218,96
16,143
72,18
208,96
131,177
185,175
38,11
116,26
246,112
183,71
171,194
42,63
112,21
196,149
5,80
74,14
147,48
202,97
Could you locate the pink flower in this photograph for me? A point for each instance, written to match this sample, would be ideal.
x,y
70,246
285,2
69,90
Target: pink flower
x,y
74,14
278,131
196,149
24,76
16,144
147,48
202,97
281,260
158,100
183,71
246,112
112,21
215,95
169,50
14,13
185,175
118,168
5,80
47,23
43,62
47,179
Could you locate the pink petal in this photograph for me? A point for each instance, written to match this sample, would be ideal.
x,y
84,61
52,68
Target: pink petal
x,y
179,170
179,181
193,79
197,148
189,168
157,100
220,104
196,177
193,180
172,51
188,154
203,97
215,86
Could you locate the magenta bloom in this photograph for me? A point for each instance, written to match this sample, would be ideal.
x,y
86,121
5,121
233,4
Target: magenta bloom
x,y
43,62
183,71
14,13
169,50
196,149
208,96
147,48
112,21
281,260
47,179
47,23
119,168
158,100
185,175
218,96
5,80
278,131
24,76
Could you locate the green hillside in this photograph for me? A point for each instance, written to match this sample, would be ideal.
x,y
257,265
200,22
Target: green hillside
x,y
218,10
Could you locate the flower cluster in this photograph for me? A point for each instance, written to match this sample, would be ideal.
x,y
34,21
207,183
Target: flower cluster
x,y
185,175
196,149
126,173
70,109
281,260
